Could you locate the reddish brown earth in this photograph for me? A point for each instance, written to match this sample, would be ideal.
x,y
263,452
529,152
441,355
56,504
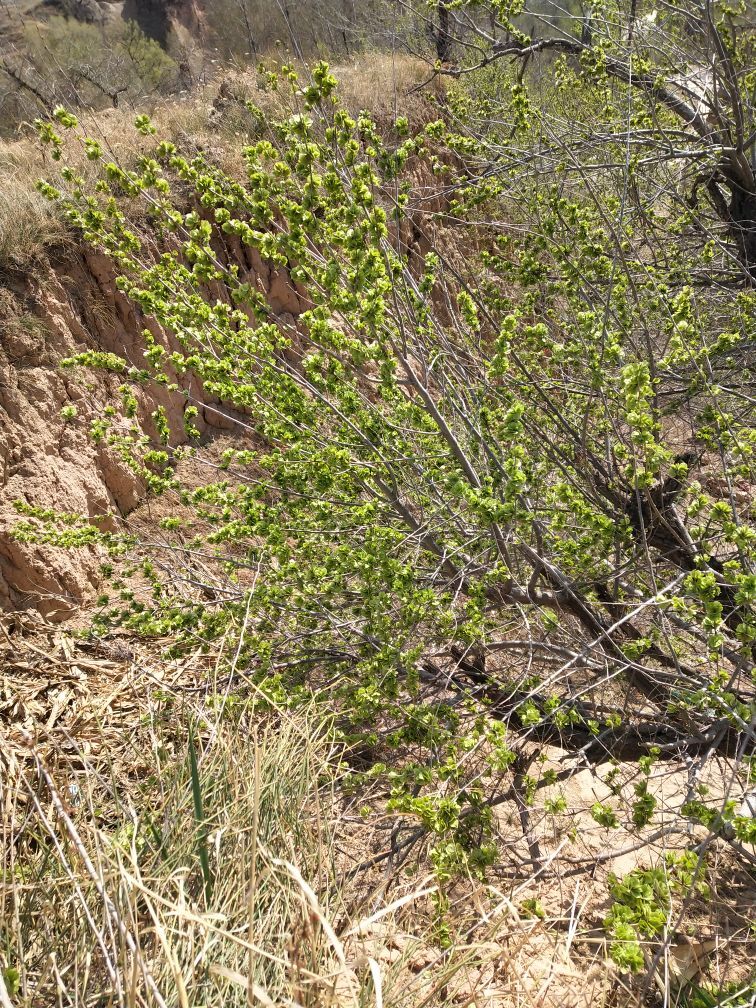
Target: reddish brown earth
x,y
63,306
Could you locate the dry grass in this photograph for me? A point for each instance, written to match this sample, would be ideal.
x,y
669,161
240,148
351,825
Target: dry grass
x,y
157,845
168,844
158,849
28,224
384,84
171,840
380,83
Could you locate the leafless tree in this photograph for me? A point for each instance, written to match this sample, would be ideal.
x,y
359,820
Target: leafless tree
x,y
687,66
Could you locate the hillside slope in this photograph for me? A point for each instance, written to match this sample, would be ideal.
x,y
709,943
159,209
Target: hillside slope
x,y
67,305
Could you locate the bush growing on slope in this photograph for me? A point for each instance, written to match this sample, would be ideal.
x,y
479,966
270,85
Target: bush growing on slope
x,y
473,520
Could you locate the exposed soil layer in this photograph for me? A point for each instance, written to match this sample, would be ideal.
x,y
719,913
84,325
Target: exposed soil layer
x,y
65,305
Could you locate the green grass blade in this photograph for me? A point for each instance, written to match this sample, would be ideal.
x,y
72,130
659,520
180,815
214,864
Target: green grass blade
x,y
199,817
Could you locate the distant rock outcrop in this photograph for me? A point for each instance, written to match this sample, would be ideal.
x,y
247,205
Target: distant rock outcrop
x,y
158,19
89,11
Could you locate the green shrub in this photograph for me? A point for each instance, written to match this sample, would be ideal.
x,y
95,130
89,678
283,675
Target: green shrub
x,y
642,905
463,452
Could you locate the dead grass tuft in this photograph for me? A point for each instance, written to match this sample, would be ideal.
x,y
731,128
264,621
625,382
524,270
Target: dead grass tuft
x,y
28,224
168,842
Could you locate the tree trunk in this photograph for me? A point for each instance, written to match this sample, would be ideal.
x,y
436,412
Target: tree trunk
x,y
742,223
443,37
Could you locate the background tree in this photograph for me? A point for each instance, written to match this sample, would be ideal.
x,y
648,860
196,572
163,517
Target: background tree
x,y
686,77
83,65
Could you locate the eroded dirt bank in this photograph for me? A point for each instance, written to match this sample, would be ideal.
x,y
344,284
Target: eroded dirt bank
x,y
66,304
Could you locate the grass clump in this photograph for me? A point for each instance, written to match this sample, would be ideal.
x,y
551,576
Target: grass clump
x,y
28,225
191,884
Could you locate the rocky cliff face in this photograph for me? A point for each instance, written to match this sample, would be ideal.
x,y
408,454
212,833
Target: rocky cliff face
x,y
47,458
158,19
